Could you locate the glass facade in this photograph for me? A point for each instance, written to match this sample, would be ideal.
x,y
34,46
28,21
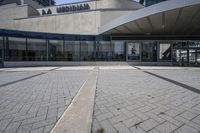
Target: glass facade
x,y
198,56
25,46
15,49
186,52
103,51
72,51
149,51
36,49
1,47
55,50
118,51
87,51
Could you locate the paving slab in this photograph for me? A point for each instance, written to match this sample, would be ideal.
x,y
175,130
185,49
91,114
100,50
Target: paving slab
x,y
153,104
78,116
37,103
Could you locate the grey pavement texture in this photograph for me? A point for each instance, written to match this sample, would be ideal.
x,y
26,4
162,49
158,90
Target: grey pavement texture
x,y
132,101
35,104
127,99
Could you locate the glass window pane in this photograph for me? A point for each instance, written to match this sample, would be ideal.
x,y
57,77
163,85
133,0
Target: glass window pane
x,y
133,51
198,56
194,44
87,51
37,50
118,51
180,44
176,55
56,50
165,51
149,51
72,50
103,51
16,49
192,56
1,47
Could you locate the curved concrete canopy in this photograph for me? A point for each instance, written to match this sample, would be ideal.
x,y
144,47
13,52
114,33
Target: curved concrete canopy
x,y
173,17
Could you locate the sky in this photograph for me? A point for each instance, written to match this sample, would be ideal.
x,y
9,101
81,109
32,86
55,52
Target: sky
x,y
70,1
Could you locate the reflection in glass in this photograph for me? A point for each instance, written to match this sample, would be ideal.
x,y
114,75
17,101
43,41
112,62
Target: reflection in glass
x,y
165,51
56,50
149,51
16,49
37,50
194,44
1,47
72,50
176,55
87,51
103,51
192,56
183,56
118,51
180,44
198,56
133,51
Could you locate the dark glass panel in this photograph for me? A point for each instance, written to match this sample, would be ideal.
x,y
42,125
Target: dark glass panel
x,y
165,51
16,49
180,44
56,50
1,47
72,50
194,44
103,51
118,51
149,51
87,51
133,51
37,50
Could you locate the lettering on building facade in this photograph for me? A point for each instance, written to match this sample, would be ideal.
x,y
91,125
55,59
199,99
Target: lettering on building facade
x,y
72,8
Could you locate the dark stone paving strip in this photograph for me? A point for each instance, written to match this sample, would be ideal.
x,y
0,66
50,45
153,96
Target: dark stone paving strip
x,y
13,82
172,81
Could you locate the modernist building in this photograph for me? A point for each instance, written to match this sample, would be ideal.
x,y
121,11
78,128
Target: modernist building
x,y
101,31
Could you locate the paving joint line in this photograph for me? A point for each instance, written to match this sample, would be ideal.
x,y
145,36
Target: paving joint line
x,y
171,81
26,78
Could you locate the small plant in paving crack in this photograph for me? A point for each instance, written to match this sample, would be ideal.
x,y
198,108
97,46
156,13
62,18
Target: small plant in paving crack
x,y
162,113
101,130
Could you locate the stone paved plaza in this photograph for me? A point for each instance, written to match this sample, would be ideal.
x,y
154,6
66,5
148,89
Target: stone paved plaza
x,y
37,99
128,99
131,100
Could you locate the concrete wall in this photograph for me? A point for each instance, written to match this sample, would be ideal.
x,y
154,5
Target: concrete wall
x,y
27,18
75,23
100,4
11,11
